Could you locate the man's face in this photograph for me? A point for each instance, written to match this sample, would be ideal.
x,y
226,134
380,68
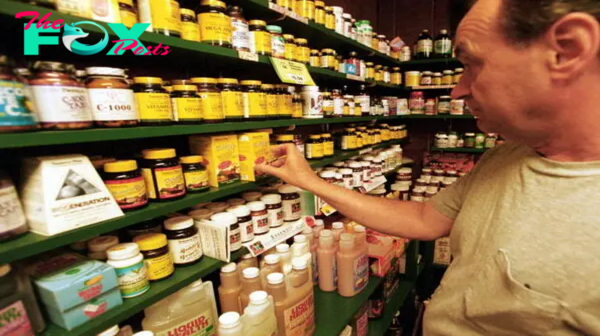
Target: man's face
x,y
504,84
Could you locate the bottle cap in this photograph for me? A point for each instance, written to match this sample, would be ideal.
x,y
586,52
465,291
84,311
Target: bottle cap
x,y
224,218
229,320
151,241
360,228
327,174
299,239
319,223
259,297
102,243
282,248
123,251
200,214
299,263
179,223
307,231
275,278
250,273
272,259
240,210
236,201
231,267
326,233
271,199
337,225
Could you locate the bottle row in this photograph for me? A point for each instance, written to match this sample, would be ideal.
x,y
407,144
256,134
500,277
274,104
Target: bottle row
x,y
429,78
467,140
442,105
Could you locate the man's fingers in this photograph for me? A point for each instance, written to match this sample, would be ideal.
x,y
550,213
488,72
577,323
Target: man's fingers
x,y
278,151
267,169
278,163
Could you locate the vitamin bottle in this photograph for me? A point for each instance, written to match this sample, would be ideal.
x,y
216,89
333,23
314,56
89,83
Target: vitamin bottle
x,y
353,267
260,38
424,45
284,101
230,289
306,8
233,99
349,139
242,212
360,233
290,47
163,16
215,25
194,173
259,317
320,12
158,260
126,184
260,217
230,220
274,209
255,100
210,99
230,324
326,259
337,228
313,244
186,105
443,45
111,99
327,145
251,282
247,261
302,51
283,251
153,101
16,114
301,249
271,98
300,299
240,33
184,240
292,208
276,288
313,147
163,174
128,13
131,271
328,111
396,77
190,30
297,102
277,41
272,265
329,18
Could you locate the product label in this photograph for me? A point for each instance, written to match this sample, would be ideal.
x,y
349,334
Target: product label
x,y
246,231
275,216
149,181
215,27
328,148
130,193
159,267
424,46
212,105
11,212
128,18
313,104
61,103
338,106
255,105
233,104
292,210
272,105
314,150
15,105
357,179
328,107
169,182
133,280
260,222
196,180
299,319
361,272
327,61
443,47
290,51
154,106
348,142
240,35
185,250
365,103
14,321
165,15
201,325
190,31
285,105
186,109
112,104
278,46
260,42
235,239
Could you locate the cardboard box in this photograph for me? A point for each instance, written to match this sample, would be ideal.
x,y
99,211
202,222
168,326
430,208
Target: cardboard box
x,y
221,157
82,313
63,193
382,250
254,149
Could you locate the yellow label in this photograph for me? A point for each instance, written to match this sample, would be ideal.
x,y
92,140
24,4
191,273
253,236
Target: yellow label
x,y
290,51
328,148
370,73
187,109
379,76
233,104
212,105
150,186
154,106
262,42
255,105
298,112
165,15
303,54
327,61
215,27
357,110
169,182
221,156
330,21
306,8
359,142
346,109
396,78
284,105
349,142
299,318
292,72
314,150
254,149
159,267
190,31
128,18
196,180
129,193
272,109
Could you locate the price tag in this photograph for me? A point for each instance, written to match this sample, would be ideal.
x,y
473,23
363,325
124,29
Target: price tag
x,y
248,56
292,72
354,77
277,8
373,184
327,210
297,17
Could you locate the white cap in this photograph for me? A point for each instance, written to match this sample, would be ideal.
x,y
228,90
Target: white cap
x,y
299,239
112,331
256,206
345,171
287,189
123,251
347,237
337,225
179,223
224,218
359,228
299,263
250,272
271,199
319,222
275,278
102,243
272,259
326,233
259,297
231,267
144,333
365,163
282,248
327,174
339,164
105,71
229,320
240,210
355,164
247,256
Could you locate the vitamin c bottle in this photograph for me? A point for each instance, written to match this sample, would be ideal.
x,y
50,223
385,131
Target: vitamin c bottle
x,y
284,101
153,101
210,98
215,25
163,174
313,149
111,99
240,39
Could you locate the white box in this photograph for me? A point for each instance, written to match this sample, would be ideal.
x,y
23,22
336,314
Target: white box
x,y
62,193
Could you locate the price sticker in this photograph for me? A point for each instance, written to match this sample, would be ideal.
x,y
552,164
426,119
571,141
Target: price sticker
x,y
354,77
248,56
277,8
292,72
297,17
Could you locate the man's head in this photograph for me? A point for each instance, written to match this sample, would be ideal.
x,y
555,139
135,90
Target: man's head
x,y
526,61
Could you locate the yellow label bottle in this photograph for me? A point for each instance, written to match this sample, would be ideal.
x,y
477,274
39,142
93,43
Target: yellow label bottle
x,y
127,13
164,15
233,104
215,25
260,38
153,107
212,106
190,30
271,99
186,104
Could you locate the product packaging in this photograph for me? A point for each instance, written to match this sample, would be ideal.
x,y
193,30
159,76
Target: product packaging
x,y
221,157
254,149
81,314
89,9
382,250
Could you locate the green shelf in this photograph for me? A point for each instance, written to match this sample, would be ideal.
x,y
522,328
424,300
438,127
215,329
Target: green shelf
x,y
159,290
459,150
432,61
379,326
438,116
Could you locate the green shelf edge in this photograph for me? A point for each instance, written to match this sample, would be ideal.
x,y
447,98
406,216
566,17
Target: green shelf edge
x,y
159,290
458,150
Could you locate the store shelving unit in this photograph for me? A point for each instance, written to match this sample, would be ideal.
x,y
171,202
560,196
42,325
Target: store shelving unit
x,y
432,62
438,116
459,150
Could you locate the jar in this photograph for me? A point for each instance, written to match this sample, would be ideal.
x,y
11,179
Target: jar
x,y
125,182
274,209
232,99
360,140
298,105
469,140
153,101
111,99
426,174
194,173
315,58
417,197
379,192
131,271
320,12
97,246
458,72
305,8
357,174
128,13
416,103
312,102
451,177
404,175
163,174
277,41
260,217
144,227
430,106
329,18
215,25
432,188
401,191
163,16
255,100
374,41
370,73
412,78
252,196
16,113
200,214
448,77
347,177
217,207
13,223
405,54
441,141
379,73
328,59
210,99
349,105
313,147
302,51
285,139
348,141
186,105
271,99
328,110
396,77
452,140
184,240
60,101
158,260
438,176
437,78
228,219
290,47
366,171
327,145
190,30
490,140
426,78
444,105
479,140
240,34
244,220
261,38
292,209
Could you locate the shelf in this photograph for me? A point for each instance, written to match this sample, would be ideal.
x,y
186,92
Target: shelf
x,y
437,116
431,87
432,61
159,290
459,150
379,326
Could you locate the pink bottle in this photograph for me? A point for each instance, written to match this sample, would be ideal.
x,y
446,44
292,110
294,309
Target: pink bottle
x,y
353,267
326,258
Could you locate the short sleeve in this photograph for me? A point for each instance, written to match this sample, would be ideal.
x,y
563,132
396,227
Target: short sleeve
x,y
449,201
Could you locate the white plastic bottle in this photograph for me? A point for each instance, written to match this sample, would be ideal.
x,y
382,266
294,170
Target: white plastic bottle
x,y
283,250
230,324
259,317
301,249
312,243
337,228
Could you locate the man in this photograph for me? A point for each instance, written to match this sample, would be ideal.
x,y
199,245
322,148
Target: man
x,y
525,222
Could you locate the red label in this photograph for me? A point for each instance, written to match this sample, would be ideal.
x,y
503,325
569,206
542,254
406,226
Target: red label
x,y
225,164
14,321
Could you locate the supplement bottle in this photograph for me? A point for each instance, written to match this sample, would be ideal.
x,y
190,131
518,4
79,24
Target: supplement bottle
x,y
12,223
18,303
329,18
186,105
283,251
274,209
242,212
251,282
305,8
276,288
326,259
328,59
327,145
360,237
190,30
240,34
16,113
111,100
348,139
230,220
315,58
277,41
230,324
131,271
271,98
230,289
301,249
365,101
158,260
260,217
247,261
292,208
320,12
312,107
163,16
163,174
337,228
443,45
328,110
126,184
233,99
128,13
313,147
272,264
290,47
302,51
424,45
353,267
313,244
260,38
184,240
255,100
215,25
297,102
300,298
97,246
194,173
153,101
259,316
284,101
210,98
319,226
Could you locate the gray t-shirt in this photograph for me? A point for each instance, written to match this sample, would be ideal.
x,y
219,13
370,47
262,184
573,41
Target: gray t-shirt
x,y
526,247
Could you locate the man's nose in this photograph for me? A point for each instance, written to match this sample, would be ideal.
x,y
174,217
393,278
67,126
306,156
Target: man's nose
x,y
461,90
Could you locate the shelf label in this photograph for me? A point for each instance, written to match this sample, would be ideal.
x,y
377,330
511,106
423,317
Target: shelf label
x,y
276,236
292,72
373,184
277,8
354,77
297,17
248,56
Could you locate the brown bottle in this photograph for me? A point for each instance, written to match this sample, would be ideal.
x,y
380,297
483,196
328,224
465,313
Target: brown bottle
x,y
272,264
276,288
251,282
299,310
230,289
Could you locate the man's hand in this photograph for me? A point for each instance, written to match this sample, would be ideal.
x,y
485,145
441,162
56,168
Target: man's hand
x,y
290,166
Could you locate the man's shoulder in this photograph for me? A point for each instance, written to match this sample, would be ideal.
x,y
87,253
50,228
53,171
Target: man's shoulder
x,y
505,152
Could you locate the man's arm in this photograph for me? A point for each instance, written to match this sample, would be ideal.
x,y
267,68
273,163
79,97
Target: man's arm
x,y
411,220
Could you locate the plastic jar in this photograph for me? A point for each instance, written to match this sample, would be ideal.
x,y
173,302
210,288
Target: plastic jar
x,y
349,105
297,103
277,41
97,246
125,182
215,25
271,98
163,174
328,110
240,35
370,73
458,72
255,100
479,140
232,98
357,174
347,177
16,112
285,104
426,78
327,140
274,209
348,141
457,107
111,99
260,217
128,13
290,47
396,76
315,58
437,78
302,51
292,209
260,38
320,12
469,140
242,212
328,59
347,30
194,173
313,147
183,239
490,140
448,77
444,104
379,73
306,8
312,102
186,104
163,16
131,271
210,98
377,168
190,30
416,103
329,18
158,260
12,223
60,101
153,101
366,170
374,41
